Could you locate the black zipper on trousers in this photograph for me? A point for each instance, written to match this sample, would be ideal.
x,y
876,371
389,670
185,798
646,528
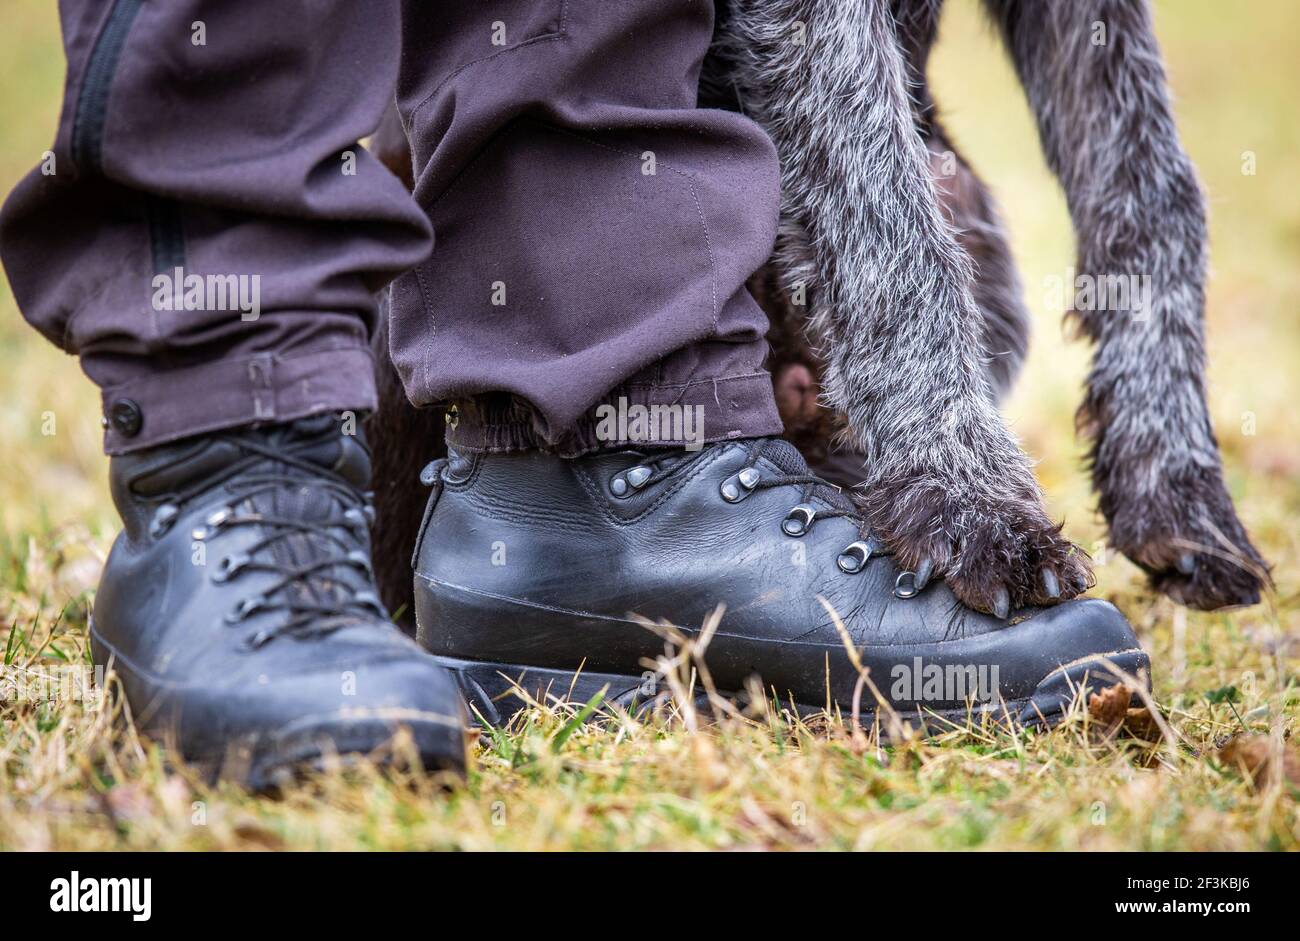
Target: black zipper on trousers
x,y
92,103
166,237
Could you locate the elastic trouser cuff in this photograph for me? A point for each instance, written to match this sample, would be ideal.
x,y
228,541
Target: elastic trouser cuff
x,y
172,404
634,416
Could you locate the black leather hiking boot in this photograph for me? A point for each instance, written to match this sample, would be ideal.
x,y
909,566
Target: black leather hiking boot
x,y
531,568
238,607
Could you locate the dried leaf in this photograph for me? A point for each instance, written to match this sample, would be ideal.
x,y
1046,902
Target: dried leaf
x,y
1109,707
1255,756
1112,711
252,832
1139,723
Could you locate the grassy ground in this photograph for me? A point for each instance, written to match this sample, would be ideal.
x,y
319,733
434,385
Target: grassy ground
x,y
73,777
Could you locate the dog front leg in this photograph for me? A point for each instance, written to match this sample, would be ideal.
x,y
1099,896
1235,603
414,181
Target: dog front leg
x,y
1093,74
948,489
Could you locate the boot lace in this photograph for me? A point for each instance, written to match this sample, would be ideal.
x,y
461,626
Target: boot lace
x,y
316,601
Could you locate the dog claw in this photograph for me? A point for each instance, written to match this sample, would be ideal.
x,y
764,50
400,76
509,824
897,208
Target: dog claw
x,y
1051,584
1187,563
1001,604
923,573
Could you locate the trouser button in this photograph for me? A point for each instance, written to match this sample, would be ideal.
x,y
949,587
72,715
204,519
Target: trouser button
x,y
126,417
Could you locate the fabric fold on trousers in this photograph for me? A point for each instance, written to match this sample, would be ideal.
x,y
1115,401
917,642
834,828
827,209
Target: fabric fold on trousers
x,y
594,229
209,235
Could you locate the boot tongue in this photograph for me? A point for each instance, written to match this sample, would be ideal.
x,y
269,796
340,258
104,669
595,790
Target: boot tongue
x,y
324,441
787,457
321,441
317,440
784,455
309,505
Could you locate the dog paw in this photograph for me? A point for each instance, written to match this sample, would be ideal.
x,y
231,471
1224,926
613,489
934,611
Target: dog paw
x,y
1187,538
997,551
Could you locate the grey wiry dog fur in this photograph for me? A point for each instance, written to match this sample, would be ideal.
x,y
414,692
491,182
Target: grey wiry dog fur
x,y
1137,207
918,322
914,318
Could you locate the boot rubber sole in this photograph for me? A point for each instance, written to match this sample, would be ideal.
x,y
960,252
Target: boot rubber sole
x,y
492,692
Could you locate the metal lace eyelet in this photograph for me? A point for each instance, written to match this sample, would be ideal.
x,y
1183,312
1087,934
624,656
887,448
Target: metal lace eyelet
x,y
245,608
259,639
163,518
739,485
854,557
228,567
798,520
218,518
905,585
633,478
